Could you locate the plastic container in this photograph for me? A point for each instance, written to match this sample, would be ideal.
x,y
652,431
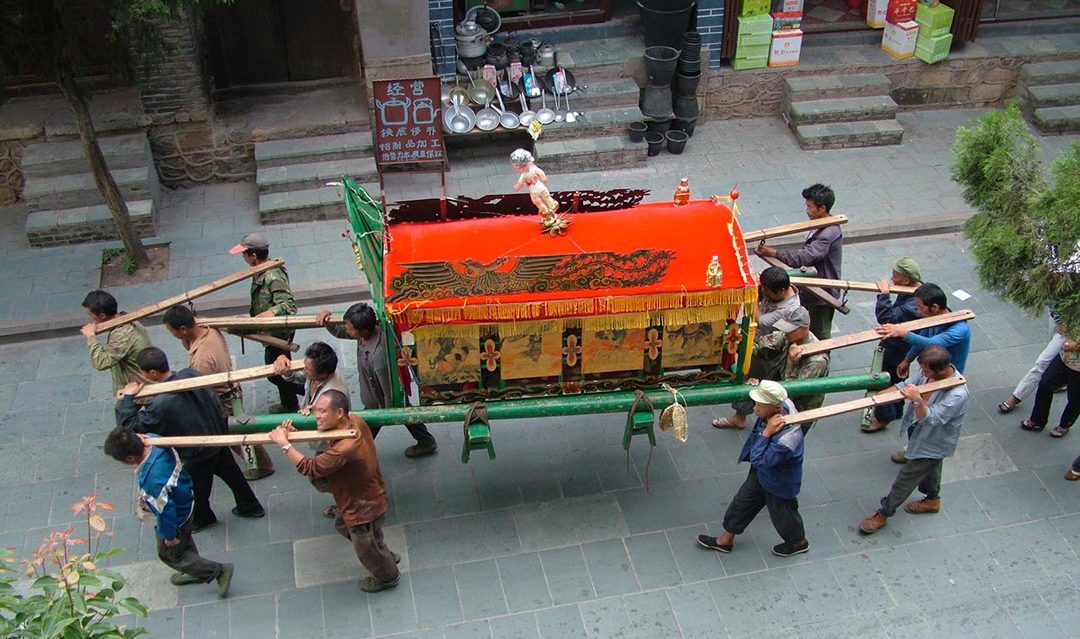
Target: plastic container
x,y
686,126
660,64
676,141
655,141
637,131
660,126
665,22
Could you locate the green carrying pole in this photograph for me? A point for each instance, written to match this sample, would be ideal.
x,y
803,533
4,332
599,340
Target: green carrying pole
x,y
584,404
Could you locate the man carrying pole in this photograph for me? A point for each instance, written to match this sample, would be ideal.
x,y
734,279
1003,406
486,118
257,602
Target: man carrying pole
x,y
118,353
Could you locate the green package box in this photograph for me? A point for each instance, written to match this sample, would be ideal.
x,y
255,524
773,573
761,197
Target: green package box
x,y
753,40
756,25
750,63
753,50
935,21
755,8
932,49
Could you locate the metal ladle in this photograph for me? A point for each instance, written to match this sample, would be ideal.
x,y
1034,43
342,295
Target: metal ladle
x,y
545,115
560,113
508,119
571,116
527,115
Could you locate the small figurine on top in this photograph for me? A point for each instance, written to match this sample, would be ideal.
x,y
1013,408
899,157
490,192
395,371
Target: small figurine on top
x,y
534,177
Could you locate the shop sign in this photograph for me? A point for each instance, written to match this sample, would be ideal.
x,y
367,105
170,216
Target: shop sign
x,y
408,121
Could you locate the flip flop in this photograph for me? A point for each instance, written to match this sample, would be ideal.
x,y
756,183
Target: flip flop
x,y
1006,407
1028,425
724,422
1072,475
1058,431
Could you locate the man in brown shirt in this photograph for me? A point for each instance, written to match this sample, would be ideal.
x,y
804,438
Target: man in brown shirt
x,y
209,354
352,468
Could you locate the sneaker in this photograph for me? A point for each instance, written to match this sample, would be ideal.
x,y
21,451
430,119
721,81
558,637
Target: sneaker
x,y
710,543
873,523
898,457
254,474
224,580
371,584
257,514
418,450
924,506
787,549
183,579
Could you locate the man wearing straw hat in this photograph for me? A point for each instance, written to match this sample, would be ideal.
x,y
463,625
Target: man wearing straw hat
x,y
775,452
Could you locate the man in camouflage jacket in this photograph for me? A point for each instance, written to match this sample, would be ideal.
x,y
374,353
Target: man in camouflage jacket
x,y
117,354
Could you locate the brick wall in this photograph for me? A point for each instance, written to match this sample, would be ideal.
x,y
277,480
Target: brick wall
x,y
441,18
172,84
710,24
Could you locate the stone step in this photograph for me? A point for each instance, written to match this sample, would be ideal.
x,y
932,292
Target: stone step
x,y
606,94
82,224
873,107
590,154
1044,73
61,157
842,135
1054,95
596,60
313,149
306,205
1061,119
594,124
820,87
74,190
295,177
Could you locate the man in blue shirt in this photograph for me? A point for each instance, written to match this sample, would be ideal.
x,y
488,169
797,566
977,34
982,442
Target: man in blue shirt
x,y
930,301
166,490
933,422
775,452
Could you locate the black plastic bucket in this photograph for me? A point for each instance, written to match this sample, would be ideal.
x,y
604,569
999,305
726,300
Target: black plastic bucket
x,y
676,141
664,22
637,131
655,141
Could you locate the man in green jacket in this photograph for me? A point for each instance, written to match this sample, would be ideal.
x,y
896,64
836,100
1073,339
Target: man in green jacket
x,y
117,354
270,297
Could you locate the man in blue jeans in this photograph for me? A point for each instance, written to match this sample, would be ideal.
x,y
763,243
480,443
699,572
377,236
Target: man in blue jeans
x,y
775,452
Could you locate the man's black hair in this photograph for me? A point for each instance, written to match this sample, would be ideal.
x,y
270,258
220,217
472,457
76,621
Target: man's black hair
x,y
820,195
931,294
323,358
259,253
337,399
935,357
179,316
775,279
100,302
152,358
361,316
122,444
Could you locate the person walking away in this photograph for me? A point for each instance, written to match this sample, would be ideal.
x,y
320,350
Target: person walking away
x,y
1031,379
166,490
121,346
1062,370
905,272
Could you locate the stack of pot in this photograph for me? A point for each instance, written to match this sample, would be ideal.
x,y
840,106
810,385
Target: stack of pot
x,y
687,78
656,104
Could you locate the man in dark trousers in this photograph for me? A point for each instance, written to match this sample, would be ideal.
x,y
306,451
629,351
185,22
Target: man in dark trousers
x,y
166,490
193,412
823,249
271,297
905,272
775,452
373,364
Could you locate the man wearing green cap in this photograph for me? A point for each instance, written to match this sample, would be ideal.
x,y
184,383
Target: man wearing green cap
x,y
904,309
775,452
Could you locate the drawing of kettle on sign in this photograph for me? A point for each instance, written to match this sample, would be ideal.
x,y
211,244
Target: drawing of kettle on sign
x,y
394,112
424,111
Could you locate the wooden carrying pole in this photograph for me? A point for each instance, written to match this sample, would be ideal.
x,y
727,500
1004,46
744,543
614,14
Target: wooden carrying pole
x,y
814,290
791,229
217,379
249,440
269,340
872,336
850,285
868,402
278,321
205,289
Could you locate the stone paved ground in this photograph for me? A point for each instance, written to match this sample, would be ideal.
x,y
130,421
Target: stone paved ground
x,y
556,538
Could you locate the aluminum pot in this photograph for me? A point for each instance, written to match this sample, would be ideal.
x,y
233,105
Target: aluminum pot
x,y
459,119
471,39
546,55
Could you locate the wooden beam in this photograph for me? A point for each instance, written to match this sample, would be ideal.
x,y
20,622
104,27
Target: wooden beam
x,y
814,290
872,336
217,379
205,289
851,285
278,321
269,340
193,441
791,229
868,402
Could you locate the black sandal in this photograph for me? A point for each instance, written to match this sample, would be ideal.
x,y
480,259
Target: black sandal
x,y
1006,407
1028,425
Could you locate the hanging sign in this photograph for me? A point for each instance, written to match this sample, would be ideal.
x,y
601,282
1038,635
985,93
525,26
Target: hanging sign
x,y
408,121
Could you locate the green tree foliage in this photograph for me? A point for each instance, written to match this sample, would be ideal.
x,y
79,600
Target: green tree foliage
x,y
1023,233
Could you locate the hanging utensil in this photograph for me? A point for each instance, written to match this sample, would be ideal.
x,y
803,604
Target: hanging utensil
x,y
571,115
508,119
482,91
487,119
560,113
527,115
545,115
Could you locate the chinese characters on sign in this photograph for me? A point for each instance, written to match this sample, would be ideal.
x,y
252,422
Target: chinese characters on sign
x,y
408,121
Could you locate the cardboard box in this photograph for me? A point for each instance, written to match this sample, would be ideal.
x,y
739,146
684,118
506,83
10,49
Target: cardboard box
x,y
786,46
898,40
931,49
935,21
755,8
786,5
875,13
930,3
901,11
753,40
786,20
740,64
754,50
756,25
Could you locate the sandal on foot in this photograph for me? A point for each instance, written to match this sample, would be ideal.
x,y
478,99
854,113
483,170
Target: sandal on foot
x,y
330,512
873,427
1027,424
1058,431
1006,407
1072,475
724,422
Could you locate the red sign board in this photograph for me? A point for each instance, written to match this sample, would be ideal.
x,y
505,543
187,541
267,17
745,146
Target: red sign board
x,y
408,121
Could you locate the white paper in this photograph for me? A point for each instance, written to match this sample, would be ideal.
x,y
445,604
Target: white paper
x,y
961,294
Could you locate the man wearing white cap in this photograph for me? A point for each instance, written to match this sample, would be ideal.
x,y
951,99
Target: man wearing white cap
x,y
775,452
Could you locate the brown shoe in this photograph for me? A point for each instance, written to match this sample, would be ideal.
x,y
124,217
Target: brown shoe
x,y
898,457
873,523
926,506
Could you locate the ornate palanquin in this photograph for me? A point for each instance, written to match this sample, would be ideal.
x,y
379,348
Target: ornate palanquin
x,y
484,306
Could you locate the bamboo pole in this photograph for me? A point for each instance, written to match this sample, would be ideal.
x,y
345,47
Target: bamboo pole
x,y
205,289
217,379
851,285
791,229
278,321
269,340
193,441
815,290
871,335
868,402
